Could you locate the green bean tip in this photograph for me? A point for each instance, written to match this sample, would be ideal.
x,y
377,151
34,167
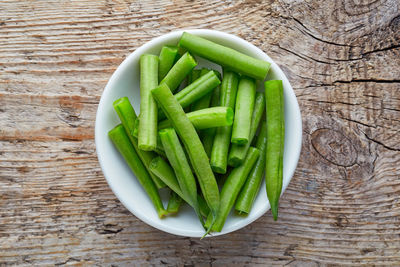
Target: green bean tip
x,y
274,211
120,100
239,141
218,169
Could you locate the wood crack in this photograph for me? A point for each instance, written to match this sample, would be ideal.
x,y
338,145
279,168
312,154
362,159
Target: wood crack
x,y
308,32
368,81
379,142
70,259
381,50
359,122
305,57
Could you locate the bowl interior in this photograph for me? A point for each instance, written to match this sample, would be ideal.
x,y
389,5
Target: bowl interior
x,y
125,82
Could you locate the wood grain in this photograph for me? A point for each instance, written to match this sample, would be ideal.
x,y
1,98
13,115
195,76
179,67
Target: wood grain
x,y
342,206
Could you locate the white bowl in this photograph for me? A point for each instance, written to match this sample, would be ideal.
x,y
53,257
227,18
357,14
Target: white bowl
x,y
125,82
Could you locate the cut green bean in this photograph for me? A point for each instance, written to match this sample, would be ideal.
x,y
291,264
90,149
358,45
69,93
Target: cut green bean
x,y
225,56
193,145
136,128
121,141
237,153
222,139
179,71
207,138
126,114
159,149
205,101
194,75
253,183
216,93
202,103
222,177
200,87
195,90
232,187
177,158
164,171
207,135
220,149
128,118
206,118
174,202
168,56
276,138
147,136
243,110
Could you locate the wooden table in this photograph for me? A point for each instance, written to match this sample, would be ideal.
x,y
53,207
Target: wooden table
x,y
342,206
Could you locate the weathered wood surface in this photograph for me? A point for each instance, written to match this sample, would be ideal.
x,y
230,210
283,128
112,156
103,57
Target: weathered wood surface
x,y
343,204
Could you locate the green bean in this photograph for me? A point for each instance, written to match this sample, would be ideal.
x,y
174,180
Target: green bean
x,y
136,128
128,118
222,139
276,138
148,106
250,189
243,110
164,171
126,114
207,138
220,148
177,158
232,187
207,135
229,87
174,202
237,152
202,103
222,177
205,101
225,56
194,75
168,56
195,90
179,71
159,148
204,209
206,118
216,94
193,145
121,141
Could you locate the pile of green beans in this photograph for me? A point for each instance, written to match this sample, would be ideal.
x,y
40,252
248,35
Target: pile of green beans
x,y
201,142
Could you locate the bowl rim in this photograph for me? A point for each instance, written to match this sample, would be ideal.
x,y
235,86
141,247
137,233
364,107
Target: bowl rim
x,y
296,149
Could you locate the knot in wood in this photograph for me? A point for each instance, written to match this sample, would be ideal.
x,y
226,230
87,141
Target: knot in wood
x,y
334,146
70,111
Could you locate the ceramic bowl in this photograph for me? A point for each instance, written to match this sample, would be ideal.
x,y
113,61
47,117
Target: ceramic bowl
x,y
125,82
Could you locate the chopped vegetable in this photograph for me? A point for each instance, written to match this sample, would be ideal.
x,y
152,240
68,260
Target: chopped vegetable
x,y
121,141
237,153
275,144
253,183
225,56
243,110
148,106
222,139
